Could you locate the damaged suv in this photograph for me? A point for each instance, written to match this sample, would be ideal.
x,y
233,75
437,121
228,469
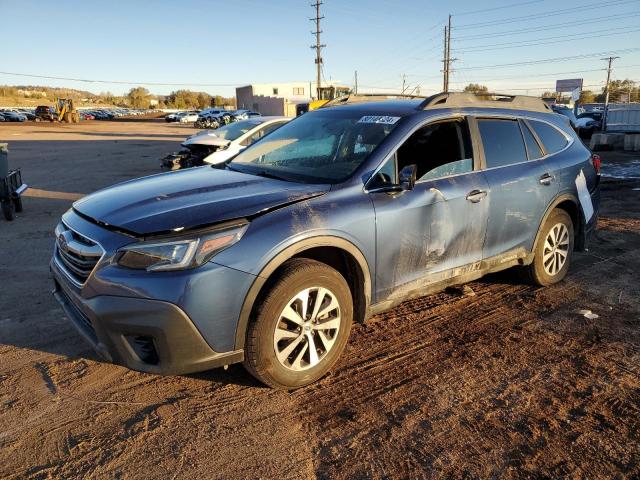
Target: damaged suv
x,y
339,214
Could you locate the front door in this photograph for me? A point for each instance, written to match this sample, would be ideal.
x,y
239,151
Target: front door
x,y
436,230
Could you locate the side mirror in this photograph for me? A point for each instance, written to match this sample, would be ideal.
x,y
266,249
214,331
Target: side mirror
x,y
407,177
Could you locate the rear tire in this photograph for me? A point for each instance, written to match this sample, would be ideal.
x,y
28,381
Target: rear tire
x,y
301,325
553,250
8,210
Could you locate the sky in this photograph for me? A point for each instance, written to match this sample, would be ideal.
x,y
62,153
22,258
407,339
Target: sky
x,y
224,44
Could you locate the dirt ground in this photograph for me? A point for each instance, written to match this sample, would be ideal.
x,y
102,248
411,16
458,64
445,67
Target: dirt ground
x,y
509,382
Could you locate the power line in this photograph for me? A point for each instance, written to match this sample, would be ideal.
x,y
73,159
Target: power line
x,y
551,60
540,41
590,6
122,82
503,7
551,74
554,26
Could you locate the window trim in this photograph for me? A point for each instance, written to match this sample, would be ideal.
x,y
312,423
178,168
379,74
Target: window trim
x,y
523,124
489,115
414,129
540,142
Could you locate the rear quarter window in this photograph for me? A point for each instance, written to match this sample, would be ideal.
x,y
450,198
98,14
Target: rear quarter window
x,y
551,138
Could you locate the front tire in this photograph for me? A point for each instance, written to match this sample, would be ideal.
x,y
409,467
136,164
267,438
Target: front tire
x,y
8,209
553,250
301,325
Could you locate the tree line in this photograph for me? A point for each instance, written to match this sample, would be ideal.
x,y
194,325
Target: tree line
x,y
619,91
138,97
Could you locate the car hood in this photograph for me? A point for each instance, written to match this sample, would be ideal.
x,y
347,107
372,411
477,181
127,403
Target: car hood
x,y
190,198
206,138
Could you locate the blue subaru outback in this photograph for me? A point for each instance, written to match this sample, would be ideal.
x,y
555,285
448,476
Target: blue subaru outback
x,y
342,213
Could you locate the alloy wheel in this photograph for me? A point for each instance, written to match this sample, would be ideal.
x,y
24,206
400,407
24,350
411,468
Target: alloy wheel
x,y
307,328
556,249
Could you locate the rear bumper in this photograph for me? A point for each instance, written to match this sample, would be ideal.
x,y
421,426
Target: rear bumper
x,y
145,335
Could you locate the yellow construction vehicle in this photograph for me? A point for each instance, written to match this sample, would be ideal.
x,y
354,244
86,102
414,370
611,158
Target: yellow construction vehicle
x,y
66,110
325,94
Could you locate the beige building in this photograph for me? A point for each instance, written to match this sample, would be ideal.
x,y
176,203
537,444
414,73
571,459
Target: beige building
x,y
275,98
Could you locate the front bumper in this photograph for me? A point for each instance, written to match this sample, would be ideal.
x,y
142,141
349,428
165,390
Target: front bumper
x,y
142,334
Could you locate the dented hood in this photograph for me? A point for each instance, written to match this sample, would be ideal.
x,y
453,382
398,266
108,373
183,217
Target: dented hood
x,y
189,198
206,138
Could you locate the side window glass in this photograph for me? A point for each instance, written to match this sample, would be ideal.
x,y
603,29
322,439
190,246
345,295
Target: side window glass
x,y
386,175
438,150
532,145
551,138
502,142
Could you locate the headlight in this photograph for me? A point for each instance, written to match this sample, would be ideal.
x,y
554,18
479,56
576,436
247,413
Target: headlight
x,y
178,254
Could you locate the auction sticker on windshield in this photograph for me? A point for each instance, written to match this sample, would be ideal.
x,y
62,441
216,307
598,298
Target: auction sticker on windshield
x,y
379,119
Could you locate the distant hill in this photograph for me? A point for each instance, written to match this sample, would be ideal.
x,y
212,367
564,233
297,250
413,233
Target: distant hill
x,y
33,95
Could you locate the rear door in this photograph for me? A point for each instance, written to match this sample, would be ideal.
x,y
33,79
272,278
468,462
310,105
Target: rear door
x,y
424,234
521,184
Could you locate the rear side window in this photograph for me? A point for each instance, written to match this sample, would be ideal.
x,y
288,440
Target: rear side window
x,y
502,142
551,138
532,145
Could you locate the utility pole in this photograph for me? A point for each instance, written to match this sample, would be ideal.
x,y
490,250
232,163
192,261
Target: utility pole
x,y
318,46
444,63
447,57
606,95
356,86
448,54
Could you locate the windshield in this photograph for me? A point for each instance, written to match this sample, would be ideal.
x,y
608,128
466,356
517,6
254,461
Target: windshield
x,y
317,147
235,130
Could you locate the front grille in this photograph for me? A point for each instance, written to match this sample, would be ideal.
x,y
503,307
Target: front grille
x,y
76,254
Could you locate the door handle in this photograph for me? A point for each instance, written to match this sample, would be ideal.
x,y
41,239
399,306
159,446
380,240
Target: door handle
x,y
474,196
546,179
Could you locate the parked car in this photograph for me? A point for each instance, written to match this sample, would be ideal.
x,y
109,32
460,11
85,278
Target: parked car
x,y
2,117
211,113
216,147
592,122
228,141
27,113
342,213
87,116
11,116
187,117
584,126
45,113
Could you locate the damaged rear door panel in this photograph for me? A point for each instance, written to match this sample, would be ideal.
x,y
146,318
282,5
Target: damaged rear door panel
x,y
522,183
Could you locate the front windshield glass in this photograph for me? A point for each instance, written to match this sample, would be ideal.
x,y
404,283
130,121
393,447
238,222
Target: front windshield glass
x,y
317,147
235,130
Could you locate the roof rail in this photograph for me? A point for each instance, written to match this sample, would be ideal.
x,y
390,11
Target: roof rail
x,y
368,97
490,100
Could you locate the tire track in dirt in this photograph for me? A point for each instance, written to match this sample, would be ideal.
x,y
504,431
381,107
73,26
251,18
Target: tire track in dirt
x,y
507,315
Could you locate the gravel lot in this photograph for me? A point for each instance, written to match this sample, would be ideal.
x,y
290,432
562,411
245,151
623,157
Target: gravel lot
x,y
507,382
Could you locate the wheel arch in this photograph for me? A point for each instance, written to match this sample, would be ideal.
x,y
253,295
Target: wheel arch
x,y
336,252
570,204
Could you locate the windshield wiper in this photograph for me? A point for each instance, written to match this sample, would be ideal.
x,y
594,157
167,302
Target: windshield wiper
x,y
264,173
228,165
